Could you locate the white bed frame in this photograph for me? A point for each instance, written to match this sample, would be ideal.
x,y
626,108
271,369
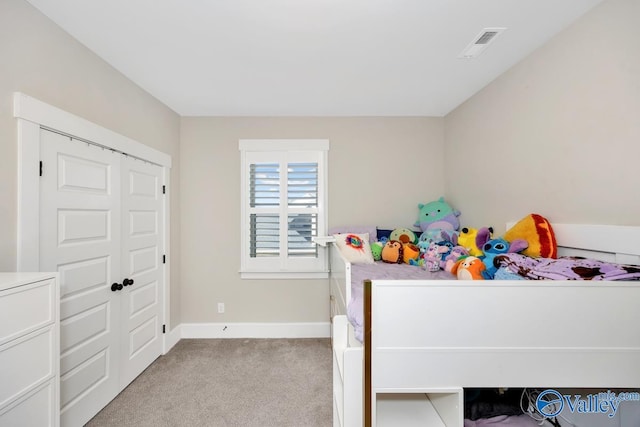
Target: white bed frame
x,y
425,341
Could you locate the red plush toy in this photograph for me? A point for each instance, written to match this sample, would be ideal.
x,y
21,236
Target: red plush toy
x,y
538,233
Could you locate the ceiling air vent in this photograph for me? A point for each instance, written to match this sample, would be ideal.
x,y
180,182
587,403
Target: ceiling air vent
x,y
480,42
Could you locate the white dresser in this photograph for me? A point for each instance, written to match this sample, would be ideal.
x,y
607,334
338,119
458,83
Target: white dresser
x,y
29,349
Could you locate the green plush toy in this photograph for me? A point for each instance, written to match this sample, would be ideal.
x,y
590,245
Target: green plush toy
x,y
403,235
376,250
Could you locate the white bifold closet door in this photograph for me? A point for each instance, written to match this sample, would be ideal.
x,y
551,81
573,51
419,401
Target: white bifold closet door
x,y
101,227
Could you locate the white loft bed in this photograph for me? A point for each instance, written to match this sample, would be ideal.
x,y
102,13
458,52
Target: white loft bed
x,y
425,341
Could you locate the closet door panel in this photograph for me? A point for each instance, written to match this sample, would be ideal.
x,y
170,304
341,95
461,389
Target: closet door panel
x,y
80,223
142,242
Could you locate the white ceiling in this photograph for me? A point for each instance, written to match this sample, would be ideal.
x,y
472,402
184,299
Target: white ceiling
x,y
310,57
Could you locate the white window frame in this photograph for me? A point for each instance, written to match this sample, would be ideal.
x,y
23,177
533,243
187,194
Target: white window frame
x,y
283,150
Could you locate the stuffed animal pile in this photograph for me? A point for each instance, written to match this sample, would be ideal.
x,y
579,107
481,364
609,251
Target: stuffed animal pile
x,y
468,253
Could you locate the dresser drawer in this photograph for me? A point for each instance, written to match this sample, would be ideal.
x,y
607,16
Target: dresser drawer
x,y
28,307
26,362
35,409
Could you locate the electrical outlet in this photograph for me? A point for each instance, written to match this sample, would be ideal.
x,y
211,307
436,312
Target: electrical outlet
x,y
221,307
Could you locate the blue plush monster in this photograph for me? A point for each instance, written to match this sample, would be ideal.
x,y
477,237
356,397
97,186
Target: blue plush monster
x,y
494,247
437,215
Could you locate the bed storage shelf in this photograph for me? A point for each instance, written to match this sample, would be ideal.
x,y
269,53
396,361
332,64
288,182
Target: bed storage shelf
x,y
434,408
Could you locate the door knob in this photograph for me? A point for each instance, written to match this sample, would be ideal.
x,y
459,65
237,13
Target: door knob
x,y
127,282
116,287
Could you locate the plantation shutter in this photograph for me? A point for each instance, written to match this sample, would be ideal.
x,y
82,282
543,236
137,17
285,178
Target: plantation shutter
x,y
284,201
302,198
301,190
264,190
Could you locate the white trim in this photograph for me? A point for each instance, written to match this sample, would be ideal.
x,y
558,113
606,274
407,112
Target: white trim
x,y
250,275
256,330
28,226
166,310
244,330
171,338
48,116
283,145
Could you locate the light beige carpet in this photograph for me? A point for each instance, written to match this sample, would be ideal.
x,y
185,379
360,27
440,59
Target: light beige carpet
x,y
230,382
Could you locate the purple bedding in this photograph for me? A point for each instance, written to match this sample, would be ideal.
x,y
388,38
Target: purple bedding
x,y
377,271
566,268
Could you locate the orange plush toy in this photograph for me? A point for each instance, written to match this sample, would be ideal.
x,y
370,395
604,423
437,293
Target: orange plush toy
x,y
537,231
469,268
410,252
392,252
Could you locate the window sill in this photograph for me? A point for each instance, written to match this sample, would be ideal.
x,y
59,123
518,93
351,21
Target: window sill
x,y
264,275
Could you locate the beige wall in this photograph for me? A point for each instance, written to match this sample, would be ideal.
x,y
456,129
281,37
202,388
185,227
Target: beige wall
x,y
42,61
379,170
558,134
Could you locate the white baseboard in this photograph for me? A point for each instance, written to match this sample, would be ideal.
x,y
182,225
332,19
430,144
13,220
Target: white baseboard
x,y
171,338
256,330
